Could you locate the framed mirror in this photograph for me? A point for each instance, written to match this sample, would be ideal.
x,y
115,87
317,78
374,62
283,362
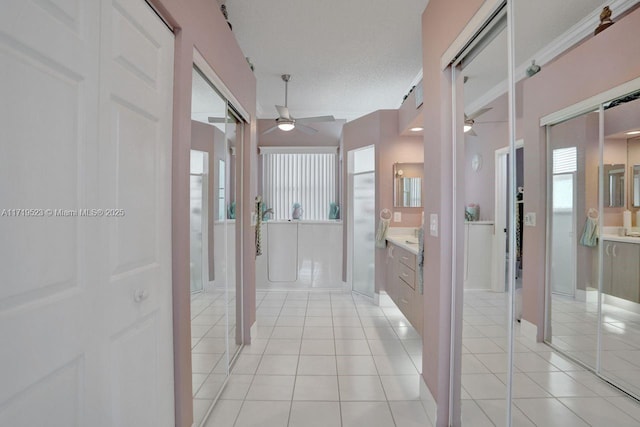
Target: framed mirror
x,y
407,185
613,185
635,186
633,162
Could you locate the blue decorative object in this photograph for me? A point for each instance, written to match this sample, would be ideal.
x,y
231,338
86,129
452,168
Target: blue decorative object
x,y
334,211
231,210
297,211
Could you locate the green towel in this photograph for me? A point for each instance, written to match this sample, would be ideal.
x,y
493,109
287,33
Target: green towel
x,y
590,234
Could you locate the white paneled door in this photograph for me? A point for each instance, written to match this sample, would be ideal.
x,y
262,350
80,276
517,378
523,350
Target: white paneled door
x,y
85,191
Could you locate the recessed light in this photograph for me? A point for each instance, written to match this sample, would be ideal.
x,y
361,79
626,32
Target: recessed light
x,y
416,129
634,132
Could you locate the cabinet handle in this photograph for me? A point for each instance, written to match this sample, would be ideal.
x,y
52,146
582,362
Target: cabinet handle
x,y
606,249
404,301
405,258
614,250
404,274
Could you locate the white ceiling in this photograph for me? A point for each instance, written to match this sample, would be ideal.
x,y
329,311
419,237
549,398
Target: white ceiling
x,y
346,58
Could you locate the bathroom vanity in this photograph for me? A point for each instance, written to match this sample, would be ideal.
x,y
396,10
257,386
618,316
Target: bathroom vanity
x,y
402,281
621,267
300,255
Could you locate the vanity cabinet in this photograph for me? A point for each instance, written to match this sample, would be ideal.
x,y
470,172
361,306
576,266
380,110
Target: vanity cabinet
x,y
621,270
402,284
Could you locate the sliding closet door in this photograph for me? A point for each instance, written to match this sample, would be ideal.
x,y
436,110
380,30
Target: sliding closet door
x,y
620,299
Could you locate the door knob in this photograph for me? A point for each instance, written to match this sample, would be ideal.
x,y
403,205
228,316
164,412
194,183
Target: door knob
x,y
140,295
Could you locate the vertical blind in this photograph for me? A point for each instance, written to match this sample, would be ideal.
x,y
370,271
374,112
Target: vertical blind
x,y
307,178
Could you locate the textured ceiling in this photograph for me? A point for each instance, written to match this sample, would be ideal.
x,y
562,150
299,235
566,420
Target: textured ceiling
x,y
346,58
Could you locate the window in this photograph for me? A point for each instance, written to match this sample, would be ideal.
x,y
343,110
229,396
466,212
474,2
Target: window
x,y
299,175
564,167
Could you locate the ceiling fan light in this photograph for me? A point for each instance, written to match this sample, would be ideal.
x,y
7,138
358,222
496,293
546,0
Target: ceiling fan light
x,y
416,129
286,126
467,127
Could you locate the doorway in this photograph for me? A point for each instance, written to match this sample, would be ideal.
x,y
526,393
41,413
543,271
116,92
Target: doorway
x,y
502,201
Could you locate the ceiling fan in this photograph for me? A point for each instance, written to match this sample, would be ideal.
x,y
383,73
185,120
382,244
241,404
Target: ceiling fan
x,y
286,122
469,121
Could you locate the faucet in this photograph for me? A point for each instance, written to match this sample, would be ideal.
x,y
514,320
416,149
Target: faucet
x,y
266,212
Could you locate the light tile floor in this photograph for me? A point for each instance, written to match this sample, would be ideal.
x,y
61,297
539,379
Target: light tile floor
x,y
548,389
329,359
575,329
326,359
208,346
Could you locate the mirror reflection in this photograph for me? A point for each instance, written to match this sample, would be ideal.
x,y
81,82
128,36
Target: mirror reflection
x,y
633,160
407,185
613,185
635,173
214,307
594,314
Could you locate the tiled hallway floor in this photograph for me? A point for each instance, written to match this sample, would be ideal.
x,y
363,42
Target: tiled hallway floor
x,y
329,359
326,359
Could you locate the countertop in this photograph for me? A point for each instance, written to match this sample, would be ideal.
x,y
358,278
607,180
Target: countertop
x,y
623,239
402,241
303,221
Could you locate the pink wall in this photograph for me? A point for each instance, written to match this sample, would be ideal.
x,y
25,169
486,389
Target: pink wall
x,y
381,129
591,68
199,24
442,21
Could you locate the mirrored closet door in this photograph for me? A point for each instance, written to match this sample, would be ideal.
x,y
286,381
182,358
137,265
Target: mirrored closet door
x,y
593,290
216,132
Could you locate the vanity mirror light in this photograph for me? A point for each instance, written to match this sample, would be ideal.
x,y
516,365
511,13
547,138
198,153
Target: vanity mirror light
x,y
407,185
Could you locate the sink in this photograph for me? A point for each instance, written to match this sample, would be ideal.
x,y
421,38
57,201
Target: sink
x,y
410,241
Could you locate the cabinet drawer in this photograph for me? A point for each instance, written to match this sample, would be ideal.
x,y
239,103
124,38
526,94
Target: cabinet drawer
x,y
405,300
407,275
406,258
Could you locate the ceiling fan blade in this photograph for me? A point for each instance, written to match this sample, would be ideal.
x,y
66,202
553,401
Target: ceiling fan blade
x,y
478,113
472,133
217,120
271,129
306,129
491,121
283,112
316,119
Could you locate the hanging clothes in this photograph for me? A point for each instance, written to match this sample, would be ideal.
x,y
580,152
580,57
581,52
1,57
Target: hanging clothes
x,y
421,259
258,213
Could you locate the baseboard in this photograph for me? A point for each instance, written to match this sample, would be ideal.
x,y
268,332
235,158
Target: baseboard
x,y
528,330
253,331
581,295
428,402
